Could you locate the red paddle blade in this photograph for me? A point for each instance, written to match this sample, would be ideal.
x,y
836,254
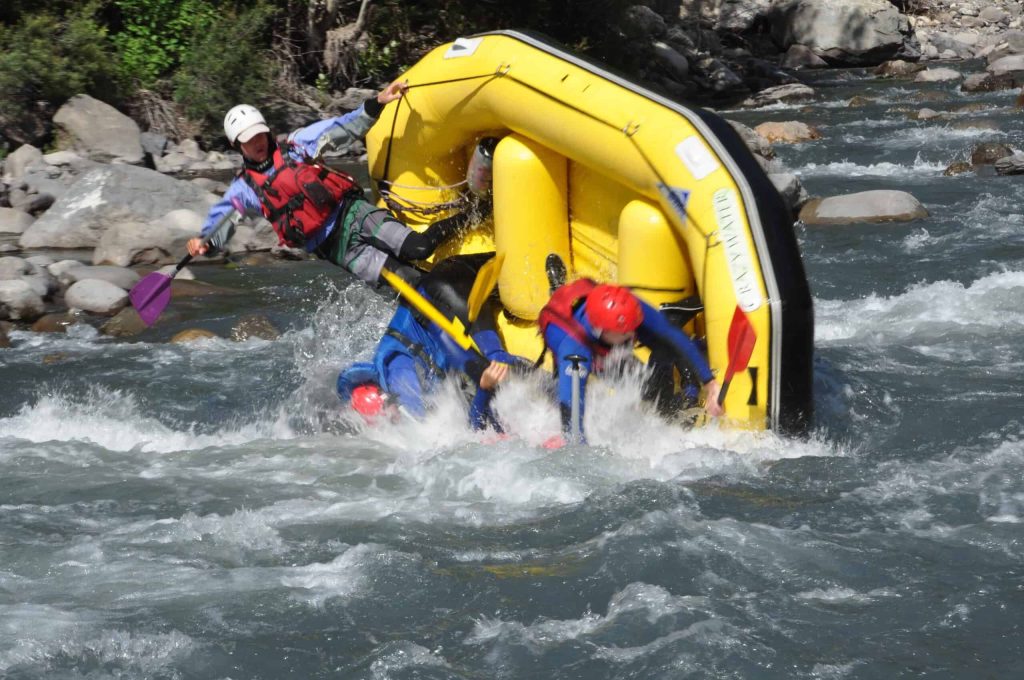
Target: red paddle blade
x,y
150,296
741,346
741,341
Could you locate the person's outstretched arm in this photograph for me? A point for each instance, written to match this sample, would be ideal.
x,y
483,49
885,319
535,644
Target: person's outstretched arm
x,y
341,132
656,329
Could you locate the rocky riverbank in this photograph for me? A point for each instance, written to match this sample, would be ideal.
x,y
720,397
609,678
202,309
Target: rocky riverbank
x,y
128,199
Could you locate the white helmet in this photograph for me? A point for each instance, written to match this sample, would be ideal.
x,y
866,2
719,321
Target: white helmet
x,y
243,122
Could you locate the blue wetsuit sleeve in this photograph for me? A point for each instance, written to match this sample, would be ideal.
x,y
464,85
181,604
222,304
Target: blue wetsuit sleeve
x,y
404,383
656,329
334,133
480,414
238,192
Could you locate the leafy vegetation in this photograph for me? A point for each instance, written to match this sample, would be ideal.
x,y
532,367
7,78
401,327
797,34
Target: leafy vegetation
x,y
45,60
205,55
154,35
228,63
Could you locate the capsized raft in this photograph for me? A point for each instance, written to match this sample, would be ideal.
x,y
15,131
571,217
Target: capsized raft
x,y
624,184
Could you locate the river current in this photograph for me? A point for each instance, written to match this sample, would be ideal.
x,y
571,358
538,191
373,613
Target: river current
x,y
203,511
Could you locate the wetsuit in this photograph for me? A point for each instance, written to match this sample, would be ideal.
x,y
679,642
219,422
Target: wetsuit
x,y
374,237
655,331
415,355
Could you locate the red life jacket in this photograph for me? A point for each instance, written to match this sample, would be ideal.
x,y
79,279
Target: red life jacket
x,y
559,311
299,196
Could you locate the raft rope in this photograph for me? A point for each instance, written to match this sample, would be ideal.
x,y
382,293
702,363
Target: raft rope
x,y
402,204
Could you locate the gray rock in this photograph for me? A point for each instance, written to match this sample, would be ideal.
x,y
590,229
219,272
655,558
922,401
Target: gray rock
x,y
782,93
117,276
157,242
791,189
757,144
1011,165
937,75
58,158
58,269
866,206
993,15
675,63
740,16
110,195
898,68
41,260
31,203
39,278
153,143
19,302
20,159
96,296
98,131
14,221
1011,65
849,32
801,56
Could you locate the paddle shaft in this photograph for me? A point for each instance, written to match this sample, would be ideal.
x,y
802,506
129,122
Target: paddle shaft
x,y
576,391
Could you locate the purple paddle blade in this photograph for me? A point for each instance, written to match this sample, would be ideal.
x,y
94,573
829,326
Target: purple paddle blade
x,y
150,296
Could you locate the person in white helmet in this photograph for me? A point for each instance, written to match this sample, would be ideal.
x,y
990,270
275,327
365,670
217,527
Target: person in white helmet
x,y
313,207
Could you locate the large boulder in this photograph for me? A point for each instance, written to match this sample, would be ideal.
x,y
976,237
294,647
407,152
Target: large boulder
x,y
842,32
97,130
108,195
156,242
96,296
866,206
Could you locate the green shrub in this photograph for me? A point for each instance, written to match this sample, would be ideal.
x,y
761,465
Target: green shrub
x,y
227,64
154,34
49,59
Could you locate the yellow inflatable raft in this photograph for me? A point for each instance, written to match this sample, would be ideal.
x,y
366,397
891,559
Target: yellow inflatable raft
x,y
625,185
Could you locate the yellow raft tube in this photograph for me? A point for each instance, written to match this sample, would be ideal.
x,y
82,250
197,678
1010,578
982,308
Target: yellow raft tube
x,y
625,185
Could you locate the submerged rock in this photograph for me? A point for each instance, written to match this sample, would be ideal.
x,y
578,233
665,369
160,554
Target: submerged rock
x,y
254,326
192,334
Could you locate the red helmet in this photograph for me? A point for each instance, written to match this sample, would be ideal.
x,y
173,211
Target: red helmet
x,y
368,400
613,308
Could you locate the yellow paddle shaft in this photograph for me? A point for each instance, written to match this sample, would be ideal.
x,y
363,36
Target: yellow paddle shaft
x,y
453,327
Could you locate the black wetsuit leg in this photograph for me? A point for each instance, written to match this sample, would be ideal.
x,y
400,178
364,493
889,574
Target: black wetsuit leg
x,y
421,245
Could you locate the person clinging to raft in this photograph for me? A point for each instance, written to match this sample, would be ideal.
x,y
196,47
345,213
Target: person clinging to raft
x,y
584,320
314,207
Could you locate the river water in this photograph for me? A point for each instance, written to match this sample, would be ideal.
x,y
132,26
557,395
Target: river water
x,y
202,511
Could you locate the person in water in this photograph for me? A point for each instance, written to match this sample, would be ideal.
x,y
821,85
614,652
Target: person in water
x,y
414,356
312,207
583,321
